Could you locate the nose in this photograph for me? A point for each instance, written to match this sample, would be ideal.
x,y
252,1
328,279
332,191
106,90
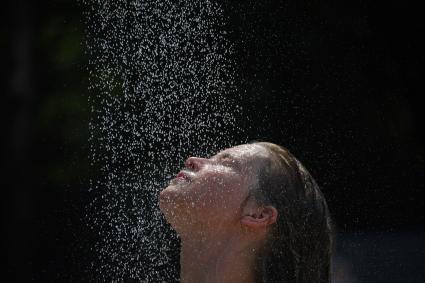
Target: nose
x,y
195,163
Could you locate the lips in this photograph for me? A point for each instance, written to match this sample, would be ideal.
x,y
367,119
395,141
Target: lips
x,y
183,176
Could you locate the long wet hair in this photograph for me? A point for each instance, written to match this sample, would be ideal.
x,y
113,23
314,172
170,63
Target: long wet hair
x,y
299,245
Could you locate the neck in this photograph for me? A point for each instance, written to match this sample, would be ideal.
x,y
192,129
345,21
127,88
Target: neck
x,y
218,258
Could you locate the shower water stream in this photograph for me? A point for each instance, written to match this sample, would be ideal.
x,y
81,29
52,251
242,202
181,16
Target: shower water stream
x,y
162,88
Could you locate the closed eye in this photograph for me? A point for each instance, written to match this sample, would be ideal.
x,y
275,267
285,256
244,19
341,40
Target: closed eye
x,y
228,159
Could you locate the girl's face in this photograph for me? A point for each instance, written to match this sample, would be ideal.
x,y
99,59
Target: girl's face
x,y
210,193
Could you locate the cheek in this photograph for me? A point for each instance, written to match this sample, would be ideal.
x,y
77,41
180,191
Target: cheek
x,y
218,192
212,193
213,198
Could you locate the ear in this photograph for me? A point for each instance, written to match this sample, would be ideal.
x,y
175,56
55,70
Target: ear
x,y
259,218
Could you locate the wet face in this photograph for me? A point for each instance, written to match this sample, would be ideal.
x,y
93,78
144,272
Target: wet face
x,y
209,193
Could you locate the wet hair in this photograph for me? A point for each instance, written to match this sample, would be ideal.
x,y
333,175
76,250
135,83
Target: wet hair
x,y
298,248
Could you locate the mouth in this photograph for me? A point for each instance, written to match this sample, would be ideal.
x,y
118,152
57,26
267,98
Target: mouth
x,y
182,177
181,174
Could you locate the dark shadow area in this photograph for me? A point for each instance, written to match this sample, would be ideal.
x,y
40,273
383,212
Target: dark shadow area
x,y
380,257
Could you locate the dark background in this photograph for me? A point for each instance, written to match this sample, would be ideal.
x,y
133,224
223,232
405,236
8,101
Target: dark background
x,y
337,82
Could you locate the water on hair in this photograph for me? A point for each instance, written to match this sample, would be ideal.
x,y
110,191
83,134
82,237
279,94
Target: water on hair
x,y
162,88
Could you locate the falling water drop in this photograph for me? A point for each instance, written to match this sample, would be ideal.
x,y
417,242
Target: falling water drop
x,y
161,88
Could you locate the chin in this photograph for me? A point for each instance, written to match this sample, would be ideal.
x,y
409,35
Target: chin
x,y
173,203
170,193
170,208
165,197
170,199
